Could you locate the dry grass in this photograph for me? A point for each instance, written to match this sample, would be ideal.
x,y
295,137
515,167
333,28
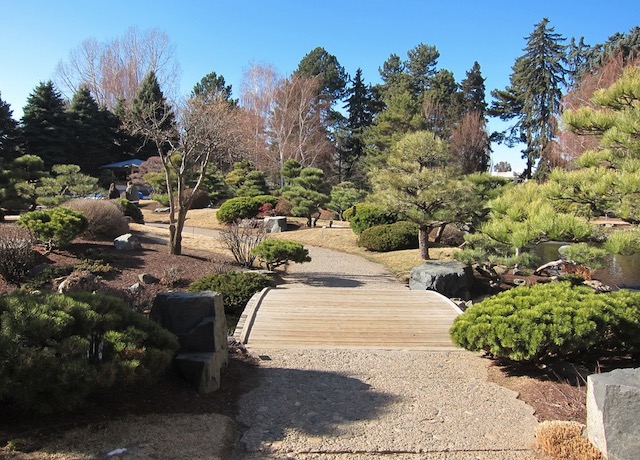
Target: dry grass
x,y
564,440
338,236
151,437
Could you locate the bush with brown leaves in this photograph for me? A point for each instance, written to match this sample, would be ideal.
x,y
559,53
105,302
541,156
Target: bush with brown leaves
x,y
106,219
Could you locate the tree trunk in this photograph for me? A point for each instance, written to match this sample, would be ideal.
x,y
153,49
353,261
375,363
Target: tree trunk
x,y
438,237
423,240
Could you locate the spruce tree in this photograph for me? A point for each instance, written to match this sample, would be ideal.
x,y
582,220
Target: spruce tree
x,y
45,128
534,96
8,133
472,90
94,131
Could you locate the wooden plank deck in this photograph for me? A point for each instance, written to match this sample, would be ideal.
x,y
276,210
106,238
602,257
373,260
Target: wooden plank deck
x,y
347,318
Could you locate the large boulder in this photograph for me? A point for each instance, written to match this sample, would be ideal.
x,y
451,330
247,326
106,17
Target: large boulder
x,y
451,279
127,242
275,224
613,412
198,320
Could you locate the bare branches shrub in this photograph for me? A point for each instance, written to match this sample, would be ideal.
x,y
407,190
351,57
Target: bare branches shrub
x,y
106,219
17,256
240,237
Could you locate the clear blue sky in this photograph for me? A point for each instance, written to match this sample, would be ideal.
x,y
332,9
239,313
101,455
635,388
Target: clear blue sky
x,y
226,36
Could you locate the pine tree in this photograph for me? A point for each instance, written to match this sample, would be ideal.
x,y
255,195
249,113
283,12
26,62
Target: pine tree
x,y
533,98
360,107
8,133
213,85
472,90
95,133
45,128
320,63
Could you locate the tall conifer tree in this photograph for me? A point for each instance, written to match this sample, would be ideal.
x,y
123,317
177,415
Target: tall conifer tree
x,y
534,96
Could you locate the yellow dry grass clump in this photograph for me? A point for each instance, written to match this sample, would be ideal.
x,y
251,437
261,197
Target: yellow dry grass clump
x,y
564,440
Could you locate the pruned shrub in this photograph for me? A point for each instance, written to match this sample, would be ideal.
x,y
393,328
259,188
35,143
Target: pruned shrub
x,y
563,439
200,200
54,227
364,216
390,237
236,288
243,207
130,209
240,237
533,323
17,256
56,350
274,253
283,207
105,220
262,199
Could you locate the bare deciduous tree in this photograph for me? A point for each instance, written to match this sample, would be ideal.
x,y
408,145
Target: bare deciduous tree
x,y
297,129
204,132
113,70
470,143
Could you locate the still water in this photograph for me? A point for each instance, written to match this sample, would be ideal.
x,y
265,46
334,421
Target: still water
x,y
621,271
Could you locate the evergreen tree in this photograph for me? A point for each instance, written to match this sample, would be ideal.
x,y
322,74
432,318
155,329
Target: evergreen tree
x,y
95,133
308,193
213,85
533,98
45,128
472,90
441,104
421,67
153,114
319,63
360,107
8,133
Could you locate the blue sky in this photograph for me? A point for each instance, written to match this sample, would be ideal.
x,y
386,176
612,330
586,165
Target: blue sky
x,y
226,36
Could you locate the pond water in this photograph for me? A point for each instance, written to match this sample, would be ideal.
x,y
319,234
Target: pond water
x,y
621,271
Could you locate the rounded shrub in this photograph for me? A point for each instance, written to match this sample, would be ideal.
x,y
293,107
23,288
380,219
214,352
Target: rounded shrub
x,y
390,237
56,350
236,288
243,207
130,209
105,220
533,323
55,227
363,216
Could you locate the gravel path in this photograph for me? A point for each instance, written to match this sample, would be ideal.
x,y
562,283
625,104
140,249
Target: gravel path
x,y
365,405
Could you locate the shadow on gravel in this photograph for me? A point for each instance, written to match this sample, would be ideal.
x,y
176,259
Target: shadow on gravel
x,y
312,403
320,279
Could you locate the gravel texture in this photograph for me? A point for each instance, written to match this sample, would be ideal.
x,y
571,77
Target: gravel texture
x,y
367,404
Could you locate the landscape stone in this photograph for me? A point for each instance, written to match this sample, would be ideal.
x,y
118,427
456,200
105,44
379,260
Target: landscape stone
x,y
198,320
613,413
127,242
275,224
451,279
146,278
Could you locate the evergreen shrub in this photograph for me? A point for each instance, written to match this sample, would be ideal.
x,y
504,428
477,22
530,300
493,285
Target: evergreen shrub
x,y
263,199
274,253
243,207
533,323
363,216
17,256
105,220
390,237
236,288
55,227
56,350
132,210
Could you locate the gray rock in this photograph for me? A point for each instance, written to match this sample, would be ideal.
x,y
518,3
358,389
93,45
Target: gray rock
x,y
613,411
127,242
198,320
162,210
275,224
451,279
146,278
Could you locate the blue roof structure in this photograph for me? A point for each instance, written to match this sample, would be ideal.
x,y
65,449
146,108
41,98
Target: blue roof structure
x,y
124,164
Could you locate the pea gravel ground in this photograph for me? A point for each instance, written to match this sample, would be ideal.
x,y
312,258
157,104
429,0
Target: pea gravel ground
x,y
396,404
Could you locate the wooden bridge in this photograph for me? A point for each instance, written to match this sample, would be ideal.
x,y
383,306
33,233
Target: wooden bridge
x,y
347,318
